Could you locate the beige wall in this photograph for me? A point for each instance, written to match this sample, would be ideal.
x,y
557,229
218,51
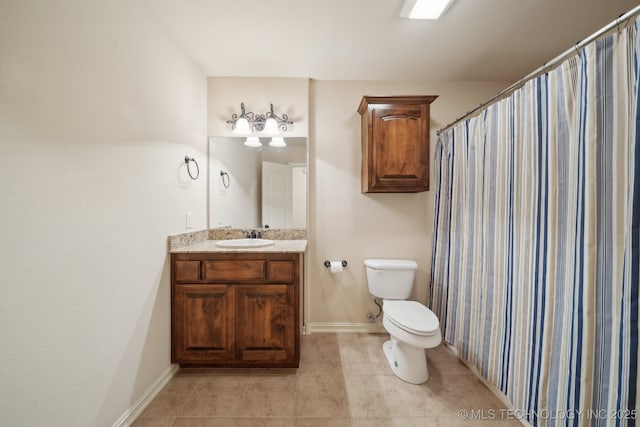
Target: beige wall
x,y
345,224
288,95
98,109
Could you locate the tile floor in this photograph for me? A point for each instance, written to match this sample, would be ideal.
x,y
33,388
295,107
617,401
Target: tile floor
x,y
343,380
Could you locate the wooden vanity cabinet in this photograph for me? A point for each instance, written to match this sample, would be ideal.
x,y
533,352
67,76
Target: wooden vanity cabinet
x,y
235,309
202,325
395,143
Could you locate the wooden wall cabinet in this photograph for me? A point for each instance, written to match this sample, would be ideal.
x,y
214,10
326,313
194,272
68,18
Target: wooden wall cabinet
x,y
395,143
235,309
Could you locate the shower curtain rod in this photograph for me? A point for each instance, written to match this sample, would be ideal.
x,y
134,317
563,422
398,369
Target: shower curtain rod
x,y
546,66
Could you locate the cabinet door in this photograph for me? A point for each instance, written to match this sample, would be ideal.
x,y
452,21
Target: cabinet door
x,y
395,143
400,150
266,324
203,323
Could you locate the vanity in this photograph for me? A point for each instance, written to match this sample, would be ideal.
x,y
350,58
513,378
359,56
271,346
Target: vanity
x,y
237,307
239,304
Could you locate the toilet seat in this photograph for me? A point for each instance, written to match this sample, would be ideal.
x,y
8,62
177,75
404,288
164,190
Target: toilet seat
x,y
412,317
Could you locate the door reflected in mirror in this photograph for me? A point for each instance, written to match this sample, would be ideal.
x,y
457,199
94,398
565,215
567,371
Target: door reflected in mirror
x,y
256,187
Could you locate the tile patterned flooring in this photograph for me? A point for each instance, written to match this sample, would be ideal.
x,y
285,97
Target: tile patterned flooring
x,y
343,380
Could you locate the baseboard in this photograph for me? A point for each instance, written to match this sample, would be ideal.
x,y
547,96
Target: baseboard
x,y
140,405
320,327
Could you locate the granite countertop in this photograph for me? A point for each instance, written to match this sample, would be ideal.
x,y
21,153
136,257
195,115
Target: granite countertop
x,y
278,246
285,240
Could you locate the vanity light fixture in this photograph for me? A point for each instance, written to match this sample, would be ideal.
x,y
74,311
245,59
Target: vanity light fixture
x,y
242,127
248,122
271,126
277,141
423,9
253,141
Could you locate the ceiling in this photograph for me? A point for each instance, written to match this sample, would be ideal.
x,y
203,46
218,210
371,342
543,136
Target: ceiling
x,y
475,40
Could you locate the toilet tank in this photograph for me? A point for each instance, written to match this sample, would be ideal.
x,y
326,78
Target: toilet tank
x,y
390,278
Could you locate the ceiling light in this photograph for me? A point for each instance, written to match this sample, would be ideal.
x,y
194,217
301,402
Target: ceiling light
x,y
277,141
423,9
253,141
248,122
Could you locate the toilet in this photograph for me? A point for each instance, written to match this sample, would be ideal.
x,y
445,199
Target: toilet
x,y
412,326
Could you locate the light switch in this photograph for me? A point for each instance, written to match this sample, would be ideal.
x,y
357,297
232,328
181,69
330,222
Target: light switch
x,y
189,219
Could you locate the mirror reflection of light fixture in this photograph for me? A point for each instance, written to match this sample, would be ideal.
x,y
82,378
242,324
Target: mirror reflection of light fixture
x,y
253,141
249,122
423,9
277,141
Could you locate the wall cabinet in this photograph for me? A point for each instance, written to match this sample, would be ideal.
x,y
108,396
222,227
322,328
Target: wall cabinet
x,y
395,143
235,309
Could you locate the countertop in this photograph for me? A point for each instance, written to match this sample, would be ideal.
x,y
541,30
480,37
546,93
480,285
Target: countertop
x,y
278,246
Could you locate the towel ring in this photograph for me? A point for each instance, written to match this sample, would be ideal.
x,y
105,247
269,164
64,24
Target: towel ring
x,y
187,160
226,181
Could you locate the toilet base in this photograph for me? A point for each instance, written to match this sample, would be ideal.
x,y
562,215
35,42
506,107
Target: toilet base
x,y
409,363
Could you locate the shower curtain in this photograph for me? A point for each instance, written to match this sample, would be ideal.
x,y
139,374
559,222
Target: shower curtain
x,y
536,248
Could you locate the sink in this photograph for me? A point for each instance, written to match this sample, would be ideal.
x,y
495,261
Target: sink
x,y
244,243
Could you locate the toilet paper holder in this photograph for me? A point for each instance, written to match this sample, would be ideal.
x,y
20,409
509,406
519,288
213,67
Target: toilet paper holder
x,y
328,263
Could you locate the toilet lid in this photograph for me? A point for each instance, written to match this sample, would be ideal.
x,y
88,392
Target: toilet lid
x,y
412,317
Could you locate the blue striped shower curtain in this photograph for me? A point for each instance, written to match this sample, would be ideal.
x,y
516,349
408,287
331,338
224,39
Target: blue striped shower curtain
x,y
536,257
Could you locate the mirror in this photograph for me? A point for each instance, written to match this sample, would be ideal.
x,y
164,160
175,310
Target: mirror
x,y
257,187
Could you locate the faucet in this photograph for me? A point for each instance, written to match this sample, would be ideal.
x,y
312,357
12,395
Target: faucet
x,y
252,234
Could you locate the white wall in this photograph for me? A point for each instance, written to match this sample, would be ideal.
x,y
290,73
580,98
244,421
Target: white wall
x,y
346,224
97,110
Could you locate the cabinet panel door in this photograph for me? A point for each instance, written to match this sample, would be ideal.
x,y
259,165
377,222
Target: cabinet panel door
x,y
265,325
399,151
395,143
203,323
